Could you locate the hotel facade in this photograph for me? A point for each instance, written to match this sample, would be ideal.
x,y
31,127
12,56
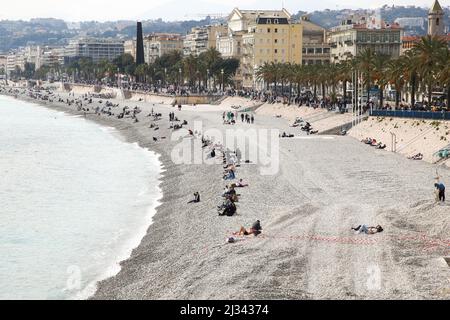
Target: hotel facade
x,y
258,37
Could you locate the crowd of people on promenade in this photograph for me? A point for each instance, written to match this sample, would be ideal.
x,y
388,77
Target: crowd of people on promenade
x,y
231,117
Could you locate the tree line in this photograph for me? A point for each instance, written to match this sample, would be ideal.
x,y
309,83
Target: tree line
x,y
209,68
423,68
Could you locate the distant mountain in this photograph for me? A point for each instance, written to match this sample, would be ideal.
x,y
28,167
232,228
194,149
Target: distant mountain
x,y
48,31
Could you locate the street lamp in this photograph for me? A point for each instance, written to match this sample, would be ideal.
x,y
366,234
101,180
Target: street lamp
x,y
221,72
179,83
207,79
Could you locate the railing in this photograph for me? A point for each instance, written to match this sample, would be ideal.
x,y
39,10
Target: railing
x,y
433,115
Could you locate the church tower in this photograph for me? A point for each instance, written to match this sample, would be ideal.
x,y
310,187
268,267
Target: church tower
x,y
436,20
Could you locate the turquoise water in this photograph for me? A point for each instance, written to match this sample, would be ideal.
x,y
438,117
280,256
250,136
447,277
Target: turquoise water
x,y
74,201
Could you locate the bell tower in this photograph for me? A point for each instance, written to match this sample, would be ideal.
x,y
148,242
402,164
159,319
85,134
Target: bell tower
x,y
436,20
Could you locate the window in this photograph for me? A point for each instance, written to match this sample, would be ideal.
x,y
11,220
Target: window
x,y
269,21
304,50
276,30
310,50
326,50
268,30
276,40
276,50
276,22
437,22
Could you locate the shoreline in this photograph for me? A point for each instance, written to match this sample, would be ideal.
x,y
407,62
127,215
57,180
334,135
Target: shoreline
x,y
126,135
306,210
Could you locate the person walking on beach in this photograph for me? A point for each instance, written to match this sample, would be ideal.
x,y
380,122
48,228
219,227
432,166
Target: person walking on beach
x,y
242,117
441,191
252,119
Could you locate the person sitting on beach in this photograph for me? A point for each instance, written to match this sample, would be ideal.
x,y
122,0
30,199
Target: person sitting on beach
x,y
230,193
368,230
213,153
227,208
230,175
255,230
196,198
241,184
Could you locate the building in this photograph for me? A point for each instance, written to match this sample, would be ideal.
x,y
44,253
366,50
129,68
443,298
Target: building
x,y
411,22
15,60
130,48
436,27
158,44
315,48
436,20
200,39
256,37
357,34
95,49
49,56
3,61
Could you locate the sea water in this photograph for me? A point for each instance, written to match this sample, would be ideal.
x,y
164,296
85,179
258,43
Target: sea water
x,y
75,199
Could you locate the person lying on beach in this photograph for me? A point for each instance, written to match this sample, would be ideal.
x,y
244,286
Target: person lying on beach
x,y
417,156
255,230
241,184
368,230
286,135
196,198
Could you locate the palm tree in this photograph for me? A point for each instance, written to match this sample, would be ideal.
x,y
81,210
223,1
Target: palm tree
x,y
345,75
444,74
190,69
380,64
365,60
265,74
411,73
397,77
141,72
428,51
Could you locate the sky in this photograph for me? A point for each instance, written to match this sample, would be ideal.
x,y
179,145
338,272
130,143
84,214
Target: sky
x,y
170,10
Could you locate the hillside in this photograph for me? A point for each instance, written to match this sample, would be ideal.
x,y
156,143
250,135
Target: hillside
x,y
14,34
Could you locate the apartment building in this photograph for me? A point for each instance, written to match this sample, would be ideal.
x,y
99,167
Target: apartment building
x,y
200,39
316,49
158,44
354,36
256,37
95,49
